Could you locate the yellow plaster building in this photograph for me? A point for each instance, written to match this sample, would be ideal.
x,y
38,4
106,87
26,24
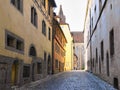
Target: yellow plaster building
x,y
69,46
25,41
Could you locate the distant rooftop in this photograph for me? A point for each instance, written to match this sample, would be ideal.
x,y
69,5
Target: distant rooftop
x,y
78,37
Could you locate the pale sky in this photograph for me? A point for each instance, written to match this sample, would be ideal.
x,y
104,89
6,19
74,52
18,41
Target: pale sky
x,y
74,10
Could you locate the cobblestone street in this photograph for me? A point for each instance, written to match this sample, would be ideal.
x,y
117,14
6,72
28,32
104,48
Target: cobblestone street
x,y
73,80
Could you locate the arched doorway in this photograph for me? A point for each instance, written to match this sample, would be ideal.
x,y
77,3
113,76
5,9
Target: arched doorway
x,y
32,53
116,83
49,65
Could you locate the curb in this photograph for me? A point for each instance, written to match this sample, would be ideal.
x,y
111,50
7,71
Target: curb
x,y
35,83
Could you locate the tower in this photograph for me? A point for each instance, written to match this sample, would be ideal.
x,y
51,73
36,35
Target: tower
x,y
61,15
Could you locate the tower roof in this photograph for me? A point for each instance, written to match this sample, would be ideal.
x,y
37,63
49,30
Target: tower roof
x,y
60,11
61,15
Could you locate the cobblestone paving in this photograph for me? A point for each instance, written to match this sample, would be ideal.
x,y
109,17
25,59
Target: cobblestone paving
x,y
73,80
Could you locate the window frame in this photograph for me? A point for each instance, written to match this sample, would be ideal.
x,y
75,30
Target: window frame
x,y
34,17
56,64
111,42
16,38
18,4
44,28
49,34
102,50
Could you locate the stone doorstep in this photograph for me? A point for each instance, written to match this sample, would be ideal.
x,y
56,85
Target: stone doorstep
x,y
35,83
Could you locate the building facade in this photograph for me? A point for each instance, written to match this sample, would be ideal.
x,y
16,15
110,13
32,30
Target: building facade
x,y
78,46
25,41
59,47
69,46
101,35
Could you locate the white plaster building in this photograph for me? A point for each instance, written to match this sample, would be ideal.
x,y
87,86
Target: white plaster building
x,y
101,35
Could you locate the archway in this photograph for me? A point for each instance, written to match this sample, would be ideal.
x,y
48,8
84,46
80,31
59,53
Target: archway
x,y
116,83
32,51
49,65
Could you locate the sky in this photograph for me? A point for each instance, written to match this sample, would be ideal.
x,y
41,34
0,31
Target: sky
x,y
74,10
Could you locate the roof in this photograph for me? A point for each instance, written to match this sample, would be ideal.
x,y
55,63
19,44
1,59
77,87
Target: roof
x,y
53,3
78,37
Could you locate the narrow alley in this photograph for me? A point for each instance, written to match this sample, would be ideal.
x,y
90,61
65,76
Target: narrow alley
x,y
71,80
59,44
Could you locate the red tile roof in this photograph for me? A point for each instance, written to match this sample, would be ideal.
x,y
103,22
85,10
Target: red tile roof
x,y
78,37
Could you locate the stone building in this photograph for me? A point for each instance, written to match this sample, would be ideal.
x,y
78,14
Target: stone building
x,y
101,35
78,45
25,41
69,46
59,47
75,62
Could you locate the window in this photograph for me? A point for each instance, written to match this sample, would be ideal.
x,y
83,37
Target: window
x,y
96,55
57,48
44,56
13,2
92,22
32,15
49,9
18,4
10,41
14,42
56,64
116,83
62,53
111,6
39,68
49,34
111,38
19,45
26,71
100,5
34,18
95,9
59,65
44,27
93,62
102,50
32,51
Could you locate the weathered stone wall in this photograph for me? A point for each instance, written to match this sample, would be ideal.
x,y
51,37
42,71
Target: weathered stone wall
x,y
104,21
